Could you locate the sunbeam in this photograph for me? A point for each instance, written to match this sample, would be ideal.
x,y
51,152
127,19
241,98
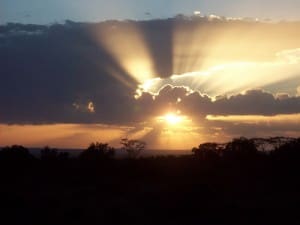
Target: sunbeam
x,y
235,77
127,46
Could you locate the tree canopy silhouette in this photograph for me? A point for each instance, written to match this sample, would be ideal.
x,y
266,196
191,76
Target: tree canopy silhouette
x,y
207,151
97,151
15,153
133,147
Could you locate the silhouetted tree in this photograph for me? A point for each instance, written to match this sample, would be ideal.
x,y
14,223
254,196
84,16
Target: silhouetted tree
x,y
277,142
241,148
261,144
207,151
50,154
15,153
97,151
133,147
288,151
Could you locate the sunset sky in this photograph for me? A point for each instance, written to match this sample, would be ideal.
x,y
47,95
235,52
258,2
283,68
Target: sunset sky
x,y
134,69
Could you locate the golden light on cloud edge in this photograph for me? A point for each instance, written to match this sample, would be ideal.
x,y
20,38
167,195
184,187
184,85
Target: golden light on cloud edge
x,y
219,51
233,78
200,52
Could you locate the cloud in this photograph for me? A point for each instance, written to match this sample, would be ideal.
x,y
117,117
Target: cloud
x,y
61,73
291,56
43,76
16,29
251,102
257,102
235,77
256,126
254,113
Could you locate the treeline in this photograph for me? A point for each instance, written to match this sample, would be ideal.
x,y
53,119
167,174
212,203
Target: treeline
x,y
248,148
237,148
245,181
95,152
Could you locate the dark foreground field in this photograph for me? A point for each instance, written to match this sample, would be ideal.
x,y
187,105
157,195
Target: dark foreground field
x,y
238,186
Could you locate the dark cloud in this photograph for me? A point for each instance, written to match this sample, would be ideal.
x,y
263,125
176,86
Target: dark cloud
x,y
252,102
257,127
44,76
52,74
256,102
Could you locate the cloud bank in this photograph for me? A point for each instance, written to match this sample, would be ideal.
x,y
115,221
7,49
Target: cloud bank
x,y
251,102
65,73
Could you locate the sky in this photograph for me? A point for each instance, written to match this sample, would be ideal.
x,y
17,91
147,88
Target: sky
x,y
44,11
171,81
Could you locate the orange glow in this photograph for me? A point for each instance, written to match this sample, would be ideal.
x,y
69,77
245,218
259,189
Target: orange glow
x,y
181,138
175,131
255,119
60,135
183,135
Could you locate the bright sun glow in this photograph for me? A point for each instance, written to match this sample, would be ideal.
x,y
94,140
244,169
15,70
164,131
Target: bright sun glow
x,y
173,119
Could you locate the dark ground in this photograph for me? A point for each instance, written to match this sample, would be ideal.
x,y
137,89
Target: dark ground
x,y
229,189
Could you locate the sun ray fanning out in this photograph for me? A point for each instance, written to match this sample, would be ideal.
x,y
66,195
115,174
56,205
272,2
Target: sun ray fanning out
x,y
127,46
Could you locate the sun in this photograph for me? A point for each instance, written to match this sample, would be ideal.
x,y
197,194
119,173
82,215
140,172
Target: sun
x,y
173,119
